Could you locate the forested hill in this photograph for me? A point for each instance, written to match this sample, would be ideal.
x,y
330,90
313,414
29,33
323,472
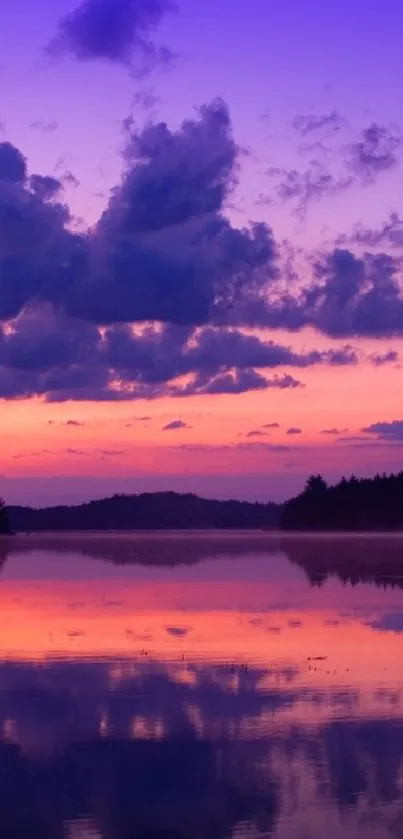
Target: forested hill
x,y
363,504
150,511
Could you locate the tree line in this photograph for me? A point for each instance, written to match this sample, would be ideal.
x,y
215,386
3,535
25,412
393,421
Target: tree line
x,y
354,504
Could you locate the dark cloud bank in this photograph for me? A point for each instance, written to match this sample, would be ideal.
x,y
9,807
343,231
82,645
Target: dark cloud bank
x,y
156,298
116,31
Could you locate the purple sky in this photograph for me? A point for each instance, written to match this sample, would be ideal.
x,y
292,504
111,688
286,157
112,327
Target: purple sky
x,y
148,289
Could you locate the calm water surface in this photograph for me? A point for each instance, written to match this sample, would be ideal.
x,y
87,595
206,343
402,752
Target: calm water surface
x,y
201,687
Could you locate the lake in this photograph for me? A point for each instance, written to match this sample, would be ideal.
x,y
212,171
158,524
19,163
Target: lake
x,y
201,686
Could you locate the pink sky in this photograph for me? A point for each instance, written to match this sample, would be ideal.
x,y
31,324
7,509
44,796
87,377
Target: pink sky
x,y
67,116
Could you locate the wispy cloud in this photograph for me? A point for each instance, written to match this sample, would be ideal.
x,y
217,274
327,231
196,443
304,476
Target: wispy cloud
x,y
176,425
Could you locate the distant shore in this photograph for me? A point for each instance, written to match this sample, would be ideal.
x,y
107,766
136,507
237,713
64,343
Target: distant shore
x,y
166,511
368,505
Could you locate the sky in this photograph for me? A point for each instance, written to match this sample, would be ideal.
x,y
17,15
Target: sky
x,y
200,246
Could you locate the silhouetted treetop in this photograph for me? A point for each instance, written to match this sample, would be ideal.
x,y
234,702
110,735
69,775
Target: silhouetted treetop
x,y
316,483
4,518
352,504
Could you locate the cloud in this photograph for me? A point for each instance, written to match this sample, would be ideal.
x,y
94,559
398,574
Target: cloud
x,y
175,425
305,187
275,448
386,430
293,431
238,381
177,631
377,150
163,250
376,444
381,358
309,123
12,164
271,425
224,348
116,31
74,423
39,453
352,296
153,300
353,439
111,452
45,126
257,434
389,234
334,431
173,177
70,179
45,187
44,353
359,162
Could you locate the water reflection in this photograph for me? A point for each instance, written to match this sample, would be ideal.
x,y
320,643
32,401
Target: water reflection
x,y
217,693
376,558
353,559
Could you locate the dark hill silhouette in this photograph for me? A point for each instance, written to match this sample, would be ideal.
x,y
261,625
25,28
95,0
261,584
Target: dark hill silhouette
x,y
150,511
365,504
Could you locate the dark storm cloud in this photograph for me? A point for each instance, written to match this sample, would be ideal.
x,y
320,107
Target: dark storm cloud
x,y
386,430
175,425
117,31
